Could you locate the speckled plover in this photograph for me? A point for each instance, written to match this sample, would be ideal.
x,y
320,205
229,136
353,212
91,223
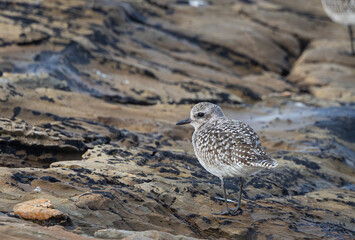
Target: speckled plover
x,y
226,147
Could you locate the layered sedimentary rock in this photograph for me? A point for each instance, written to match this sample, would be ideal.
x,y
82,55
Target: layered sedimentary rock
x,y
90,92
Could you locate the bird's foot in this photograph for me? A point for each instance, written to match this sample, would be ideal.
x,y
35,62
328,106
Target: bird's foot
x,y
231,211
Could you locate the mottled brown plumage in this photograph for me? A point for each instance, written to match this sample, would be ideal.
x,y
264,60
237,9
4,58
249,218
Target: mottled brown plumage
x,y
229,142
226,147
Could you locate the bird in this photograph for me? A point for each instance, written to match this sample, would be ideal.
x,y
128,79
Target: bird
x,y
226,147
343,12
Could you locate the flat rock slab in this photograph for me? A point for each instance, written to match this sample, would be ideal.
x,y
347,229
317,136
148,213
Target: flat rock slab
x,y
42,211
37,209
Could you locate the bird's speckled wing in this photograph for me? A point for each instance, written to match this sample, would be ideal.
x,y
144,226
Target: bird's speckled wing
x,y
233,143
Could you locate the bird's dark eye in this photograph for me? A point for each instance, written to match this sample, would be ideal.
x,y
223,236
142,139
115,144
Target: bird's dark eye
x,y
200,114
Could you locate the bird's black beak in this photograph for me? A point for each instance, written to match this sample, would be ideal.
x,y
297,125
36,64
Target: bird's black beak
x,y
185,121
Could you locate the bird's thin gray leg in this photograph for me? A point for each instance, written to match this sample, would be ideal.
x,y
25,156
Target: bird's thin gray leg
x,y
238,209
228,210
240,192
351,39
225,194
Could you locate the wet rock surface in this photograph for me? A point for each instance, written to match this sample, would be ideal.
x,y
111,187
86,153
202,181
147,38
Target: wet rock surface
x,y
90,92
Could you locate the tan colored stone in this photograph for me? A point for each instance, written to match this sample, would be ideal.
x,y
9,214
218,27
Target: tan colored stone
x,y
37,209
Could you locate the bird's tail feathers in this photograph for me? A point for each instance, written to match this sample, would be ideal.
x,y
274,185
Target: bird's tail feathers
x,y
266,163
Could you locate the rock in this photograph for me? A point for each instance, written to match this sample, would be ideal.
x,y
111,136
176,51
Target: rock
x,y
15,228
49,144
306,21
6,66
91,94
95,201
187,74
326,71
33,81
41,210
131,235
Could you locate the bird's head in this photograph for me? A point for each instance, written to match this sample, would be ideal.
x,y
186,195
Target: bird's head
x,y
201,113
